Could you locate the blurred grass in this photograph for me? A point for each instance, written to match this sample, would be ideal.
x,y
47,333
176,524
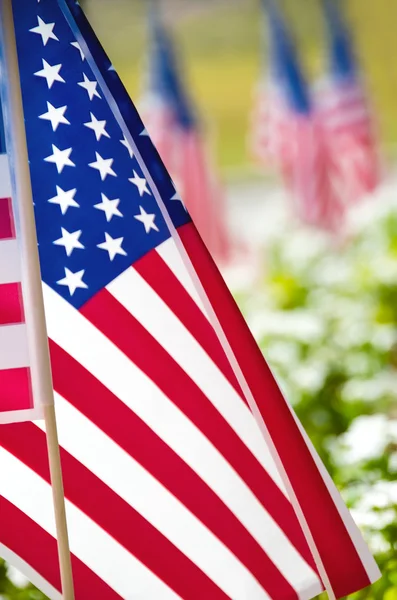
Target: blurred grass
x,y
219,47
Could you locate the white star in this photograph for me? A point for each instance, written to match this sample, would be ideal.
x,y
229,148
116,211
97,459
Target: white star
x,y
73,281
144,132
109,207
69,240
60,158
147,220
50,73
64,199
45,30
77,45
140,183
104,166
55,115
126,143
112,246
177,197
90,86
98,127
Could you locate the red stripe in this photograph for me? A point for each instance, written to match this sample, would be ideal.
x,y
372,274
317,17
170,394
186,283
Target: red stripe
x,y
105,313
140,442
11,308
143,350
112,514
7,229
16,391
194,403
163,281
342,563
37,548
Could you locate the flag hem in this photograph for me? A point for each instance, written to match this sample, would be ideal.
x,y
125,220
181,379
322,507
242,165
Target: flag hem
x,y
17,416
34,577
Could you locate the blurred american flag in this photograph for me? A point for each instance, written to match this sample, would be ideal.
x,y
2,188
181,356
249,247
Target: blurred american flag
x,y
173,125
346,115
287,133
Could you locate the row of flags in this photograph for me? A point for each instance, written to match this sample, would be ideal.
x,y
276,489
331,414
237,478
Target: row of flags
x,y
321,138
186,473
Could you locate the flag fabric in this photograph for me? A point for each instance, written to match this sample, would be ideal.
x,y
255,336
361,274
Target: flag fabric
x,y
345,113
286,131
2,136
171,489
174,127
16,398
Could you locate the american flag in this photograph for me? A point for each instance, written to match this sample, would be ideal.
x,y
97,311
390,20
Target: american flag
x,y
174,127
16,401
286,133
171,489
346,115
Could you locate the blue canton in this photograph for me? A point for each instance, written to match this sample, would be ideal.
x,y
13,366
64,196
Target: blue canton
x,y
284,65
95,211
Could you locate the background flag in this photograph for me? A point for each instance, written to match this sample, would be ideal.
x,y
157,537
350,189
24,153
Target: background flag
x,y
171,490
286,133
16,397
173,125
346,115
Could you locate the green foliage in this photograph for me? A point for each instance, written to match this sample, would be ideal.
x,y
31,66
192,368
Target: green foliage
x,y
9,591
326,318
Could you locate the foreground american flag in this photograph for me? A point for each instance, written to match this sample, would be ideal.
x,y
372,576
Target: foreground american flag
x,y
171,490
176,132
346,116
287,133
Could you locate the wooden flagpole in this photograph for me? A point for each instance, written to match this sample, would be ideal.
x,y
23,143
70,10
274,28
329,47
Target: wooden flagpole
x,y
31,283
65,563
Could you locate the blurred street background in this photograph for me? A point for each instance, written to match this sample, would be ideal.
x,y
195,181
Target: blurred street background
x,y
321,303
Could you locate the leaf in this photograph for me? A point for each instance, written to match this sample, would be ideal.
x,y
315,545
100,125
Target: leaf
x,y
391,593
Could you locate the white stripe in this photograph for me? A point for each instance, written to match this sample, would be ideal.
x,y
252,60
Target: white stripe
x,y
128,479
171,256
70,330
91,544
10,265
27,570
336,95
342,106
18,416
132,291
13,347
353,116
5,182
